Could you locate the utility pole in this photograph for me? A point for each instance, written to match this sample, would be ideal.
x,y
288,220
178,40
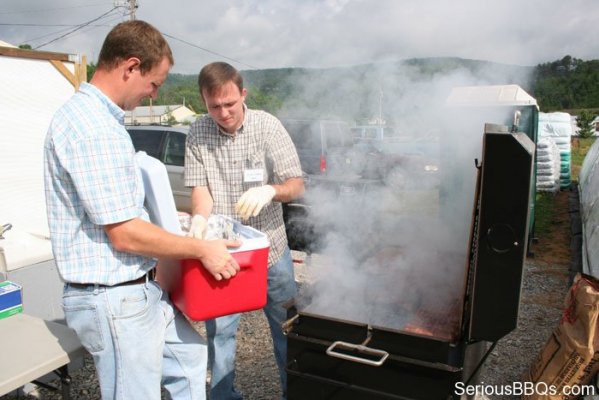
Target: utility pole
x,y
380,119
132,8
130,4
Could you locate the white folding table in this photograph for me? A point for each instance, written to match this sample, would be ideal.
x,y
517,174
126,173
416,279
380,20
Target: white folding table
x,y
31,348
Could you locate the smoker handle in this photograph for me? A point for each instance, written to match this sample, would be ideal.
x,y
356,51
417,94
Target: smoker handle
x,y
366,350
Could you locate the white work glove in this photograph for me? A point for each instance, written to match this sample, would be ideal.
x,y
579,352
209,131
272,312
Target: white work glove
x,y
253,200
198,227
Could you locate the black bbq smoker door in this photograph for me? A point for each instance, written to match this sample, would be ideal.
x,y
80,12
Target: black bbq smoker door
x,y
500,242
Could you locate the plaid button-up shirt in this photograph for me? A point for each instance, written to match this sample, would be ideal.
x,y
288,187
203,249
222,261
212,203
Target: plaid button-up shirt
x,y
216,159
91,180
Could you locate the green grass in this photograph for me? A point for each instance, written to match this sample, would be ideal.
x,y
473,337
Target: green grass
x,y
579,149
544,210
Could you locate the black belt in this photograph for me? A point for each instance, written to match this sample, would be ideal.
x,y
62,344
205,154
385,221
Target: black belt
x,y
142,279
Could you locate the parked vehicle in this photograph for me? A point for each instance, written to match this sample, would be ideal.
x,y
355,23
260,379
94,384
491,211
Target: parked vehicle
x,y
374,132
317,140
332,165
167,144
327,152
371,159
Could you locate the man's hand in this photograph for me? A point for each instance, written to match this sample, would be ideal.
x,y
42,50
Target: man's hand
x,y
218,261
198,227
253,200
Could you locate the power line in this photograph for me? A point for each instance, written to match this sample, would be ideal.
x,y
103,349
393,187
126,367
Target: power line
x,y
46,35
108,23
76,29
132,6
209,51
66,26
54,33
50,9
44,25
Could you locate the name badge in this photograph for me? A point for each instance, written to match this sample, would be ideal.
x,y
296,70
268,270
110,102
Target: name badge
x,y
253,175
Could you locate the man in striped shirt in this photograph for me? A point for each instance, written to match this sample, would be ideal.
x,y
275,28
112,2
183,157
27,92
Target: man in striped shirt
x,y
242,163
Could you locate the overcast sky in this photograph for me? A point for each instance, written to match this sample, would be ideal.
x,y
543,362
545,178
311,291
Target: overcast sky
x,y
258,34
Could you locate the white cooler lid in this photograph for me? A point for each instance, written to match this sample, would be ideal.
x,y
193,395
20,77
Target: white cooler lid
x,y
159,196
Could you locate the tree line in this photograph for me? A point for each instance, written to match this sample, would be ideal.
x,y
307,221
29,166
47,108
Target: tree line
x,y
569,84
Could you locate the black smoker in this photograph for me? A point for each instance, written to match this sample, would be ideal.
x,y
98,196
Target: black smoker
x,y
330,358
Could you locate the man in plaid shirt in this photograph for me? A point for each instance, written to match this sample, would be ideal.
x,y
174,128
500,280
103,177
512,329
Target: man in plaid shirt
x,y
104,244
242,163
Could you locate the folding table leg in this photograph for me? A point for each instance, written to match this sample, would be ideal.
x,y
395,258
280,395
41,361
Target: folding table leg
x,y
65,381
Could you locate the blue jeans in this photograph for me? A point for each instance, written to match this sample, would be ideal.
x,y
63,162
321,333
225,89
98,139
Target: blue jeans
x,y
221,333
138,341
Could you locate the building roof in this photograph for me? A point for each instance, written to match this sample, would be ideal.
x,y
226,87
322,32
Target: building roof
x,y
5,44
148,111
494,95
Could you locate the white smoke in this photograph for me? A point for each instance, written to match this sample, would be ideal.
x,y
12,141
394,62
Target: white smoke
x,y
396,254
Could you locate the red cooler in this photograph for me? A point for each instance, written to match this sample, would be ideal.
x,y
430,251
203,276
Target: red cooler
x,y
200,297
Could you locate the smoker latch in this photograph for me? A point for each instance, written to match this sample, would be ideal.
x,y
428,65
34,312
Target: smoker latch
x,y
361,348
516,123
288,325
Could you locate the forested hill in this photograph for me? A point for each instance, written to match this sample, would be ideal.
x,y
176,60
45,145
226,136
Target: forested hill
x,y
567,84
386,89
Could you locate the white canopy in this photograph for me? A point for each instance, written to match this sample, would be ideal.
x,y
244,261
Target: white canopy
x,y
34,85
494,95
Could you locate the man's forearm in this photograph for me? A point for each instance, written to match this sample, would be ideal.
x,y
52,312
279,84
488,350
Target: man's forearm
x,y
201,201
290,190
141,237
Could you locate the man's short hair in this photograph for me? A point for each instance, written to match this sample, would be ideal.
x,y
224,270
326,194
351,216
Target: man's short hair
x,y
134,39
217,74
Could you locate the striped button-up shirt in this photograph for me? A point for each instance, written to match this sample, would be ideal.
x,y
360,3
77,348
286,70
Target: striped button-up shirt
x,y
216,159
91,180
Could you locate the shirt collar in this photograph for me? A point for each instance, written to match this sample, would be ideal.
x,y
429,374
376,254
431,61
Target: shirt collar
x,y
91,90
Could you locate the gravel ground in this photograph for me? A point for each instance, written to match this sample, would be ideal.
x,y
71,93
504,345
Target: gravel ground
x,y
545,286
543,292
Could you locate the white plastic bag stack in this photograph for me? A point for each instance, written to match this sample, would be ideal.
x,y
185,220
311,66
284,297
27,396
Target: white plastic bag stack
x,y
548,166
558,126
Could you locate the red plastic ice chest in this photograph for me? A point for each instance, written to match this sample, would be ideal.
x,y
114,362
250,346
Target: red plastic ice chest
x,y
200,297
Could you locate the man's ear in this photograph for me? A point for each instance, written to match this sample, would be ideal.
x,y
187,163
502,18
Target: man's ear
x,y
130,65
